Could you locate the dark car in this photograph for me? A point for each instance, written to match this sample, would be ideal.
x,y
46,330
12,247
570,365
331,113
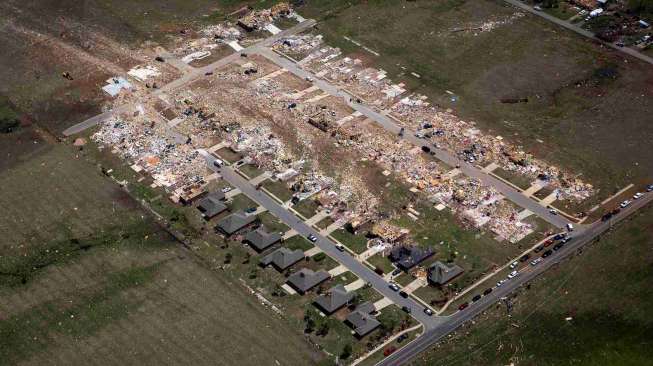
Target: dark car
x,y
402,338
558,246
524,257
463,306
250,210
548,243
396,272
566,240
607,216
426,149
559,236
538,249
476,298
487,292
403,294
406,309
547,253
312,238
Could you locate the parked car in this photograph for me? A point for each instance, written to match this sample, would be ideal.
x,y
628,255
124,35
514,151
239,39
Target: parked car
x,y
476,298
514,265
524,258
553,211
547,253
312,238
406,309
536,261
566,240
402,338
649,188
396,272
403,294
388,351
624,204
428,311
487,291
340,247
225,189
558,246
501,282
250,209
513,274
538,249
638,195
570,227
394,287
463,306
560,236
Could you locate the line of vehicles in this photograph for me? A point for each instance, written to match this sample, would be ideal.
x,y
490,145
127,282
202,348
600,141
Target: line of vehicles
x,y
608,215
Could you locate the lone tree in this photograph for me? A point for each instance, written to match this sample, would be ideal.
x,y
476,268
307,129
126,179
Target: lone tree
x,y
346,351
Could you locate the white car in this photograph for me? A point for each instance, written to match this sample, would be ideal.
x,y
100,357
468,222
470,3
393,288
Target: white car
x,y
514,265
535,261
513,274
226,189
638,195
394,287
624,204
501,282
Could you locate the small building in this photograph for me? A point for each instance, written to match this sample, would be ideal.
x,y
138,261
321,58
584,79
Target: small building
x,y
282,258
260,239
440,273
337,297
212,205
306,279
362,320
234,222
407,257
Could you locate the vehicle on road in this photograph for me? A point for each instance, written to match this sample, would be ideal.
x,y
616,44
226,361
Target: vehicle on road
x,y
539,248
428,311
426,149
463,306
558,246
402,338
524,258
560,236
394,287
514,265
624,204
312,238
487,291
476,298
570,227
547,253
340,247
513,274
403,294
536,261
225,189
406,309
638,195
553,211
250,210
649,188
566,240
217,163
501,282
396,272
548,243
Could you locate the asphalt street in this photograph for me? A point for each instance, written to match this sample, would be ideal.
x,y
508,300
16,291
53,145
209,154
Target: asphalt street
x,y
326,245
451,323
189,77
391,126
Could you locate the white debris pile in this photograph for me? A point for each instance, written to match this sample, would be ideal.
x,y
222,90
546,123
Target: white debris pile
x,y
259,19
172,163
142,73
298,44
224,32
488,26
265,149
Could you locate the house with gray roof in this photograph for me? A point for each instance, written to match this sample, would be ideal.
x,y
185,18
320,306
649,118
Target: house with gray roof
x,y
282,258
362,320
407,257
260,239
212,205
234,222
440,273
305,279
337,297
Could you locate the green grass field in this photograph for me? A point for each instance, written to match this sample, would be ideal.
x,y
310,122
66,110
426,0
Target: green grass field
x,y
591,310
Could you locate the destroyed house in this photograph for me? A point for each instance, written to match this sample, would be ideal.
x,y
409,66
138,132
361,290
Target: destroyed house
x,y
212,205
260,239
362,320
407,257
337,297
306,279
440,273
234,222
282,258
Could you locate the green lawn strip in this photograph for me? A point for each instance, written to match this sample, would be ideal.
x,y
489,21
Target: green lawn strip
x,y
431,295
324,223
272,223
297,242
250,171
377,356
519,180
379,261
229,155
279,189
404,279
306,208
240,202
357,243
